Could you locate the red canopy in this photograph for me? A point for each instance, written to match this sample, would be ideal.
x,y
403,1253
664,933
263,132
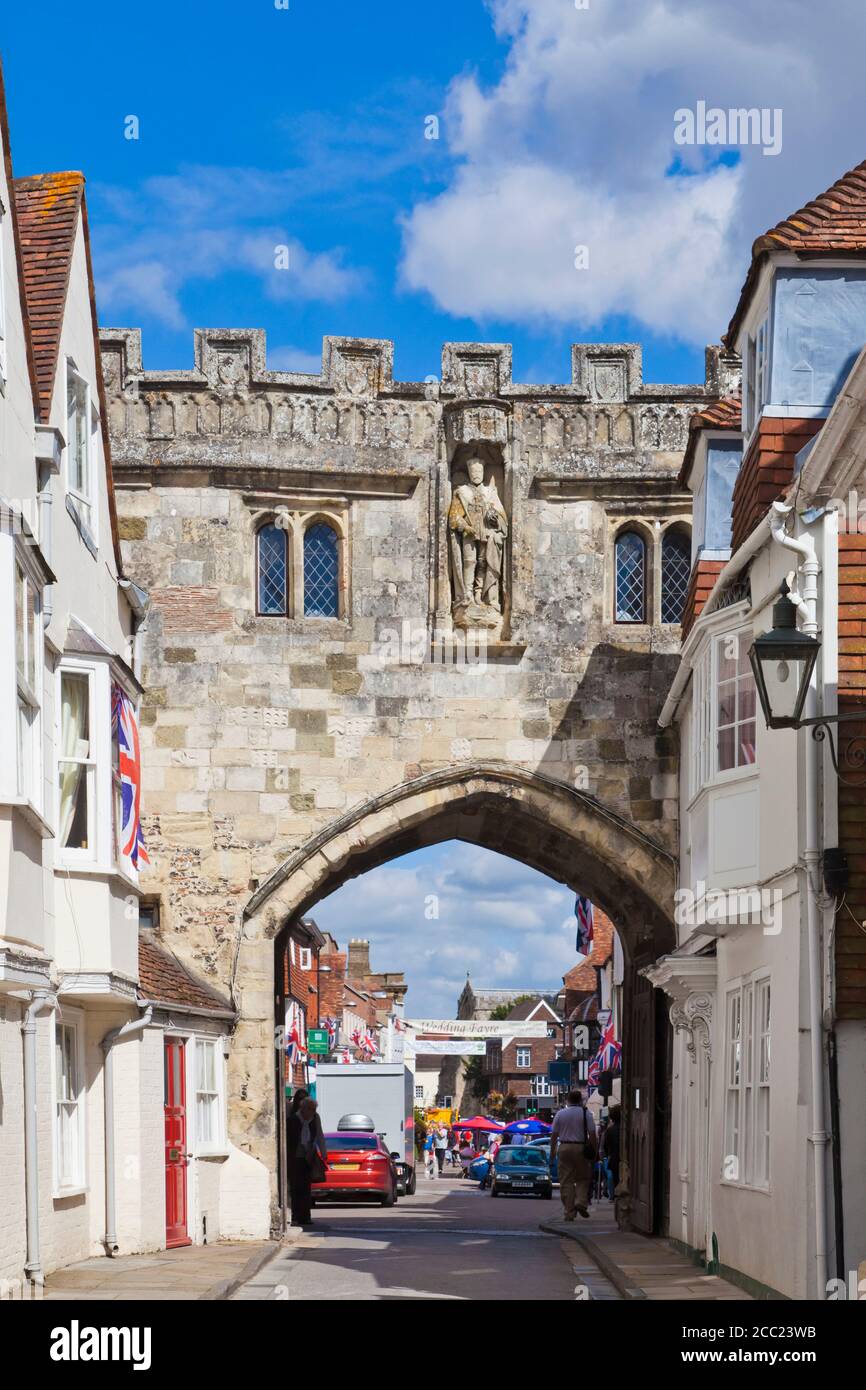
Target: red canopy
x,y
477,1122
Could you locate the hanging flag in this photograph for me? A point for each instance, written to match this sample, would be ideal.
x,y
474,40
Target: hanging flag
x,y
125,726
607,1058
331,1025
583,913
296,1049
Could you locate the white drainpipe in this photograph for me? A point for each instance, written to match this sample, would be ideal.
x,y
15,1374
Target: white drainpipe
x,y
818,1138
135,1025
41,999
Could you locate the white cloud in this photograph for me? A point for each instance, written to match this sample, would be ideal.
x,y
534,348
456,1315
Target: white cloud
x,y
294,359
574,146
498,921
203,224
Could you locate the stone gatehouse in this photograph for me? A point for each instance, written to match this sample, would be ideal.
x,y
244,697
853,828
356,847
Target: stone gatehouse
x,y
387,613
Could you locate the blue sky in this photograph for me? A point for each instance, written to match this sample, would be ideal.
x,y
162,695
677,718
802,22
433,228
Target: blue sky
x,y
499,922
305,127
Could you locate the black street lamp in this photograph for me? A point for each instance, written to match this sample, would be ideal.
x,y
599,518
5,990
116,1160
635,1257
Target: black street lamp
x,y
783,660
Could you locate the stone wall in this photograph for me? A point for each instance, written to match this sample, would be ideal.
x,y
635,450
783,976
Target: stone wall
x,y
260,732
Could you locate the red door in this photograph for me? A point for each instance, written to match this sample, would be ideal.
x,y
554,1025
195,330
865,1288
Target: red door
x,y
176,1232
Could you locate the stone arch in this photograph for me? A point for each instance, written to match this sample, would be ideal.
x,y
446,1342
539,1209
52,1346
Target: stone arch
x,y
545,823
555,828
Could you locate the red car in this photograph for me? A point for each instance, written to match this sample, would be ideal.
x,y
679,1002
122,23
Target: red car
x,y
359,1165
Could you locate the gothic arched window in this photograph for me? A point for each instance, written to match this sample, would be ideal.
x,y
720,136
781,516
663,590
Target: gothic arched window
x,y
676,568
272,571
630,578
321,572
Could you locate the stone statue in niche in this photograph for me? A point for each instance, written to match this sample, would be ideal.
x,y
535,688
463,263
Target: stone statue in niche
x,y
477,531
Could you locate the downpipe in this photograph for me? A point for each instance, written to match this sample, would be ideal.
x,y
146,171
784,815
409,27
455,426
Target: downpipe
x,y
41,999
804,546
135,1025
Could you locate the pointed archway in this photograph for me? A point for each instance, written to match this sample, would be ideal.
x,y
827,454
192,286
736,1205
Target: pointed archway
x,y
559,830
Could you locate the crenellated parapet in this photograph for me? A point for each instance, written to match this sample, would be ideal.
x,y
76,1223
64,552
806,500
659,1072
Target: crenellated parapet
x,y
230,408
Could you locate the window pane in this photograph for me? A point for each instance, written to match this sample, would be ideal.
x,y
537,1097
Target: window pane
x,y
32,631
205,1123
676,569
747,744
273,571
206,1069
727,703
20,642
630,578
321,571
74,749
727,749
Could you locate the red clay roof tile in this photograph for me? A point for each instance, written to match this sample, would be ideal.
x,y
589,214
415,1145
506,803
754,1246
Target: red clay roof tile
x,y
48,207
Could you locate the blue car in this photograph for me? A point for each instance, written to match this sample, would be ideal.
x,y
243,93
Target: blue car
x,y
544,1146
521,1170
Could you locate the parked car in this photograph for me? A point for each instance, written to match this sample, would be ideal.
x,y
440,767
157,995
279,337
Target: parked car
x,y
405,1176
359,1165
521,1169
544,1146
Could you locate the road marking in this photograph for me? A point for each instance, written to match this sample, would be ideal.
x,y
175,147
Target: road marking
x,y
373,1230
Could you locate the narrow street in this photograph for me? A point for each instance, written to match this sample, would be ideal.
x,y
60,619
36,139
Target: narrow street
x,y
450,1240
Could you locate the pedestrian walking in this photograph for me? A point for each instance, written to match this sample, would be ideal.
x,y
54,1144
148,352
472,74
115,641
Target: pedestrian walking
x,y
611,1148
572,1138
307,1158
429,1158
440,1146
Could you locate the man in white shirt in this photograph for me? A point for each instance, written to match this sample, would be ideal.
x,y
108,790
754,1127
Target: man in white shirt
x,y
573,1128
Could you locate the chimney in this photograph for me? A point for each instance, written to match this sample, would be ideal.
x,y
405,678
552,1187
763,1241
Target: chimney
x,y
359,959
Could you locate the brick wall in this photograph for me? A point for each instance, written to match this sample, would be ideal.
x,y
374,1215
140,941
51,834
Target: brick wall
x,y
766,471
850,940
703,577
302,985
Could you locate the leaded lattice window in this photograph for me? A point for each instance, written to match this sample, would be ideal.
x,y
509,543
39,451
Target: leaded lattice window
x,y
272,571
630,578
676,569
321,572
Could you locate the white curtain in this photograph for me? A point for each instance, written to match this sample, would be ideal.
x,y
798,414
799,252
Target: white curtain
x,y
73,744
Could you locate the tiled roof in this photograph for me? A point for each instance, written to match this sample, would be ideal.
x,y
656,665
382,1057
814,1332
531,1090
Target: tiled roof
x,y
725,414
528,1006
5,140
163,979
832,223
48,208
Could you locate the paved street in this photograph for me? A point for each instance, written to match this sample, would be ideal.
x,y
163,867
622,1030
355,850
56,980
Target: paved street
x,y
448,1241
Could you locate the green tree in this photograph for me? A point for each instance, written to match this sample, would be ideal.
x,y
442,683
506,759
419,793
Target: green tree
x,y
477,1081
501,1012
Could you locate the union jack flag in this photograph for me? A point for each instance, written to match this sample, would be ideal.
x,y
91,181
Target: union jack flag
x,y
331,1025
295,1045
583,913
607,1058
125,727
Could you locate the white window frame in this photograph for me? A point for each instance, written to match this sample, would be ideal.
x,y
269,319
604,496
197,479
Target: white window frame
x,y
704,752
305,957
523,1052
540,1086
747,1082
73,1020
743,639
28,683
419,1092
73,855
756,373
84,497
218,1143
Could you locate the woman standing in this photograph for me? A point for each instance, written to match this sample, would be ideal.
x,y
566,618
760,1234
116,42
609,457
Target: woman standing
x,y
308,1158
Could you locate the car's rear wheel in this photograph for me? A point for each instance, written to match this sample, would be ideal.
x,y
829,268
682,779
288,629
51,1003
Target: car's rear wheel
x,y
390,1199
413,1182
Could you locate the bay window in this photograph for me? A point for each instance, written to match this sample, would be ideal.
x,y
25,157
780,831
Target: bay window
x,y
69,1105
28,673
76,764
